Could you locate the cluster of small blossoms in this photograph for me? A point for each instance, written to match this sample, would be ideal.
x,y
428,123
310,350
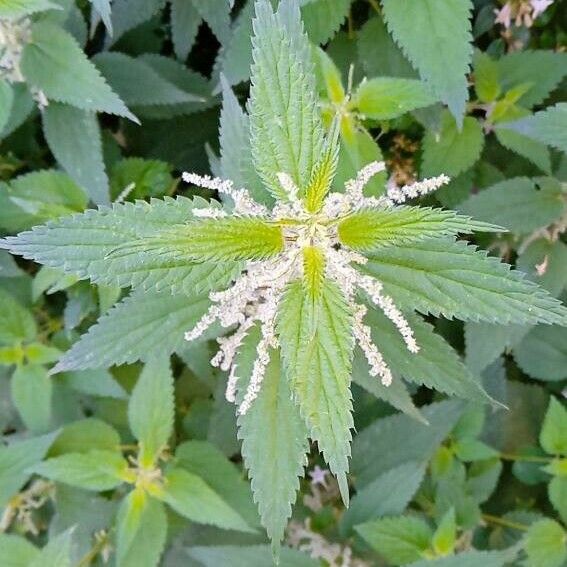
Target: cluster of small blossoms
x,y
522,12
14,35
256,294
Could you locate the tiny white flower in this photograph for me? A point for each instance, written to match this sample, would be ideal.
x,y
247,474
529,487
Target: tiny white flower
x,y
255,295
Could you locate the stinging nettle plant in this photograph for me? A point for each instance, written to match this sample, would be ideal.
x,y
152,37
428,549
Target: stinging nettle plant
x,y
305,274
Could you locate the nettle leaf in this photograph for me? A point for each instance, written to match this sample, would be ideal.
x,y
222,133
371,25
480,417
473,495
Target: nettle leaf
x,y
145,324
84,435
553,436
16,459
54,63
439,48
369,229
190,496
185,22
17,323
399,540
142,530
103,9
454,279
137,83
56,553
518,204
94,470
323,18
452,150
73,136
6,101
31,393
548,126
84,244
151,409
534,151
274,440
317,347
541,71
37,197
16,9
249,556
384,98
285,127
217,15
209,240
471,559
128,14
235,151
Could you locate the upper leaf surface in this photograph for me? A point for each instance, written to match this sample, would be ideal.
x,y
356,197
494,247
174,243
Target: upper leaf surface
x,y
285,127
439,47
317,347
368,229
83,245
454,279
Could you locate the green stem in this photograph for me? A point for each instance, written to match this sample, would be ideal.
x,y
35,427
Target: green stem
x,y
504,523
526,458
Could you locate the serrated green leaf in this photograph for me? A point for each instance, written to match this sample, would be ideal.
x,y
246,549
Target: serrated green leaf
x,y
274,441
31,394
542,353
385,98
235,152
54,63
397,439
16,9
94,383
16,551
205,460
545,263
73,136
313,271
17,323
457,280
124,18
323,18
217,15
85,435
16,459
516,204
379,55
103,10
541,70
436,365
317,348
445,535
82,245
545,544
137,83
96,469
548,126
22,106
553,435
369,229
471,559
486,77
142,531
285,127
534,151
140,178
207,240
399,540
190,496
185,22
439,47
22,204
387,495
452,151
141,326
151,409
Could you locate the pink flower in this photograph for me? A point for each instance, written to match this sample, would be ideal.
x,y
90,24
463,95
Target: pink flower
x,y
539,7
504,15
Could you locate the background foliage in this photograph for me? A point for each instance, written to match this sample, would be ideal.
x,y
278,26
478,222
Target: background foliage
x,y
133,91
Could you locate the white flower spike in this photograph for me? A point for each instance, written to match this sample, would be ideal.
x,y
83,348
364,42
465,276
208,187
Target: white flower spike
x,y
256,294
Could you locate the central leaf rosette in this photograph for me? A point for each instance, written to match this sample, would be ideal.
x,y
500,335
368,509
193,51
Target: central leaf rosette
x,y
306,251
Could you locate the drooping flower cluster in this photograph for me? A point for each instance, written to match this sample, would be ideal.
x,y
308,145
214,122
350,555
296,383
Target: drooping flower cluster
x,y
255,295
522,12
14,35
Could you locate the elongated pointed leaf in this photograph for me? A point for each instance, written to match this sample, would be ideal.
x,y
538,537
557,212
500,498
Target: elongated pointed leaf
x,y
150,409
317,347
368,229
83,245
454,279
54,63
285,126
274,441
